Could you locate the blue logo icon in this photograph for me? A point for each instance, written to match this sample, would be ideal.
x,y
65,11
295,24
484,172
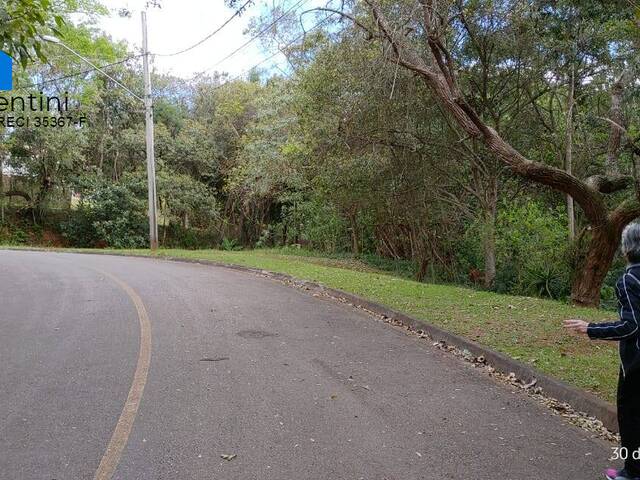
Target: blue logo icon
x,y
6,79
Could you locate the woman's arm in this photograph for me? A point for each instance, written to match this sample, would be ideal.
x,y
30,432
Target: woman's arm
x,y
629,297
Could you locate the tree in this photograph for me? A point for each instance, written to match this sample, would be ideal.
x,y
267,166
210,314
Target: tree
x,y
23,22
50,156
438,66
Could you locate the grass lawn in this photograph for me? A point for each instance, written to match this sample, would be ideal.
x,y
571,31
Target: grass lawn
x,y
527,329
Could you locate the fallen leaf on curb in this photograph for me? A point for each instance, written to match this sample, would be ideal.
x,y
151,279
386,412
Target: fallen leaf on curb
x,y
228,457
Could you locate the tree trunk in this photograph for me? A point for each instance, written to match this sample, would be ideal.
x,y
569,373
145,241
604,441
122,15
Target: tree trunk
x,y
568,155
164,228
615,135
489,247
355,243
590,276
423,265
490,211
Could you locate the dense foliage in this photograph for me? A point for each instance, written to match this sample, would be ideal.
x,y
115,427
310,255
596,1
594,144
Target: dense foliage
x,y
349,152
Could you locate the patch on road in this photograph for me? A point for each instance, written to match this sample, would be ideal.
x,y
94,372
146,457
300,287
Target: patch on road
x,y
256,334
213,359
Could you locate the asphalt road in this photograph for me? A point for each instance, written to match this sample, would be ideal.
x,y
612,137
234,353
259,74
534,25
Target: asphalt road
x,y
296,386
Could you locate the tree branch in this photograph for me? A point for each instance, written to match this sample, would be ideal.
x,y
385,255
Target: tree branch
x,y
626,212
371,33
609,183
589,199
18,193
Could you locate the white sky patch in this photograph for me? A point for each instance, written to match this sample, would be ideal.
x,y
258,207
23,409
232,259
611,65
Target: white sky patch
x,y
181,23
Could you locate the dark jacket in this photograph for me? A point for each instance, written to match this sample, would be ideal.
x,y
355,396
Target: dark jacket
x,y
624,330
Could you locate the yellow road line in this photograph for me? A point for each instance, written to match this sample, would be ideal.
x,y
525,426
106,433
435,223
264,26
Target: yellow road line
x,y
120,436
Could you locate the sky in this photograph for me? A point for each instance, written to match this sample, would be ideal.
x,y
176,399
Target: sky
x,y
180,24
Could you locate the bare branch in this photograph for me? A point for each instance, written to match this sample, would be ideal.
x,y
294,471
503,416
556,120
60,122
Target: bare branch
x,y
371,33
589,199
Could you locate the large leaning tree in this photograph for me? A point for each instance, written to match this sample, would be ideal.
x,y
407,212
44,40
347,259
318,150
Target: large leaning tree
x,y
421,36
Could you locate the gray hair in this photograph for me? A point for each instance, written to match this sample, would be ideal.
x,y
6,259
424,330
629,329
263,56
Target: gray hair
x,y
631,241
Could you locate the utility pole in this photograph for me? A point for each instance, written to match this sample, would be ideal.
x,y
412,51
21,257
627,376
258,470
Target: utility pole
x,y
148,104
151,160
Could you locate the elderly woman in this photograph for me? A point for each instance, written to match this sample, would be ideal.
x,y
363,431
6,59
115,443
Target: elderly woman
x,y
626,332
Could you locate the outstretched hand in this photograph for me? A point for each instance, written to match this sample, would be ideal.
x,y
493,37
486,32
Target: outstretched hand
x,y
576,325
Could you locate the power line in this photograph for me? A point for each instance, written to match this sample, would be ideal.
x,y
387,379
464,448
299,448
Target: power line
x,y
76,74
237,13
83,72
258,35
295,40
299,37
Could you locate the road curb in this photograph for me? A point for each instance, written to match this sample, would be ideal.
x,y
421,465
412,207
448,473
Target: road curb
x,y
580,400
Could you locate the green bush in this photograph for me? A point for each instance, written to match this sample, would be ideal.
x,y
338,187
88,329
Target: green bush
x,y
175,235
230,245
531,246
13,236
266,237
109,215
318,224
19,228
